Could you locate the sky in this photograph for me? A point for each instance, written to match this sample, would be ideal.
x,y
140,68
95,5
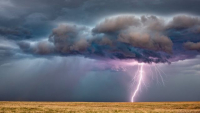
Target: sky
x,y
91,50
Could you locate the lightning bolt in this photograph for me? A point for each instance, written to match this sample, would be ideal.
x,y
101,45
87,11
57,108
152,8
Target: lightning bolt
x,y
139,76
139,82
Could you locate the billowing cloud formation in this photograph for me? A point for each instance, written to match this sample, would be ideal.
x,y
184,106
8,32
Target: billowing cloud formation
x,y
184,22
67,38
192,46
116,24
145,39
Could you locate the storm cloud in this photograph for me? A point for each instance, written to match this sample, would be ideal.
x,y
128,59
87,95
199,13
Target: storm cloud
x,y
142,38
192,46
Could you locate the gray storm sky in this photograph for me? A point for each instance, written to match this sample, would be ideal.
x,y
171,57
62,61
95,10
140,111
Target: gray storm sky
x,y
38,62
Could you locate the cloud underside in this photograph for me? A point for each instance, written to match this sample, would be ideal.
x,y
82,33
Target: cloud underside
x,y
145,39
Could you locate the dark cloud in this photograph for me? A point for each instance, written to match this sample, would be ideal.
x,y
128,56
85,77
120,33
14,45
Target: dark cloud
x,y
40,16
156,42
68,38
77,40
184,22
15,33
116,23
192,46
43,47
16,11
145,39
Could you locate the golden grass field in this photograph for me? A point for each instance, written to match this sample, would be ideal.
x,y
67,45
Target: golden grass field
x,y
100,107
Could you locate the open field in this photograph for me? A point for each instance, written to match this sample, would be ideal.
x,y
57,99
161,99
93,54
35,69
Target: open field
x,y
101,107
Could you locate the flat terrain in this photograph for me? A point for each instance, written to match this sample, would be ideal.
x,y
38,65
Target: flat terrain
x,y
98,107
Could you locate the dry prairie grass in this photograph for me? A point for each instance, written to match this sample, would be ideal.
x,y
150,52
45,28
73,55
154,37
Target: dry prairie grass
x,y
100,107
